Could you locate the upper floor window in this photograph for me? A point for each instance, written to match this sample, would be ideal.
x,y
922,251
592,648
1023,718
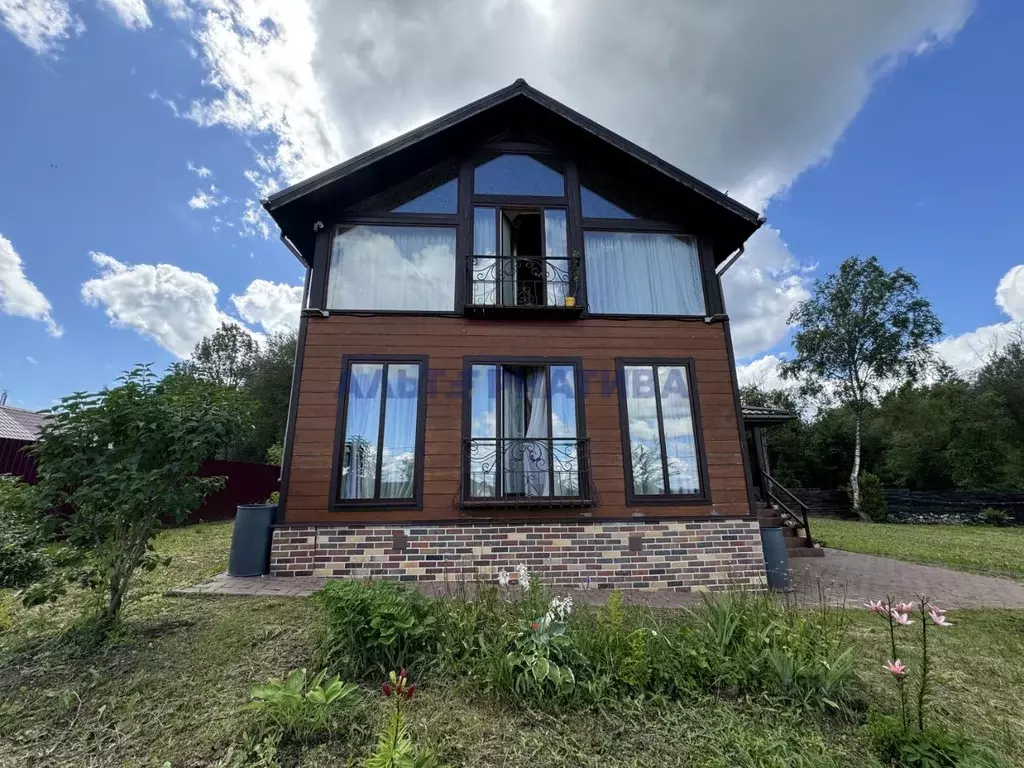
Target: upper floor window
x,y
442,199
517,175
639,273
393,268
596,207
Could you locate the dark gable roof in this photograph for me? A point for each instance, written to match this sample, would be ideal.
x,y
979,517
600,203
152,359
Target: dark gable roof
x,y
18,424
296,209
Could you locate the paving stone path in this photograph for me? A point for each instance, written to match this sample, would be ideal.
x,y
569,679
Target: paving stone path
x,y
843,577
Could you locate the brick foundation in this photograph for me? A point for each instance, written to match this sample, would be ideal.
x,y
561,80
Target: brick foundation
x,y
688,556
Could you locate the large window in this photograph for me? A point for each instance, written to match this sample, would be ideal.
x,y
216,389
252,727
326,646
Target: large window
x,y
524,438
517,175
661,451
638,273
379,457
393,268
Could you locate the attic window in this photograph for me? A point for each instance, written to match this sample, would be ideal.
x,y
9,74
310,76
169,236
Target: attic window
x,y
442,199
518,175
597,207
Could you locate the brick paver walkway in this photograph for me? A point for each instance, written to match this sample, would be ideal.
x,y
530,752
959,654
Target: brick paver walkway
x,y
841,576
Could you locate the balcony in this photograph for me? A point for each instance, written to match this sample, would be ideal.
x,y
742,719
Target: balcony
x,y
511,285
526,473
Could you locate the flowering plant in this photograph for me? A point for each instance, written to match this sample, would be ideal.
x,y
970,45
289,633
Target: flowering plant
x,y
897,615
396,749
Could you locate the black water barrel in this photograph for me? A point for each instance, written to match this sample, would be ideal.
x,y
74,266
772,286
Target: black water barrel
x,y
250,540
776,559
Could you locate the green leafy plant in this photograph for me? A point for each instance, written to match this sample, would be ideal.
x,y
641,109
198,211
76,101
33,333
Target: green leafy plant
x,y
872,499
929,748
996,517
395,747
23,535
300,707
371,627
274,498
125,460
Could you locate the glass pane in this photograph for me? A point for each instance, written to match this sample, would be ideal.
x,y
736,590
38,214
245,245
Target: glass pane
x,y
565,457
442,199
517,175
485,270
483,449
677,423
362,424
635,273
397,466
644,437
397,268
556,248
596,207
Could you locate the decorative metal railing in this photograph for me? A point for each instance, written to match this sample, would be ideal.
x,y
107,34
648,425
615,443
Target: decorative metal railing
x,y
526,472
524,281
775,491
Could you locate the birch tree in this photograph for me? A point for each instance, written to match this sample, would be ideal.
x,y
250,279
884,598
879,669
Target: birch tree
x,y
863,329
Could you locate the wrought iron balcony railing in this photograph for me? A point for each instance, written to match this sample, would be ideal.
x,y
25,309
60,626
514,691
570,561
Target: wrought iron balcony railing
x,y
525,282
526,473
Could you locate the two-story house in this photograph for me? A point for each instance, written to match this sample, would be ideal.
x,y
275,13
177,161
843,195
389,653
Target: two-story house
x,y
513,349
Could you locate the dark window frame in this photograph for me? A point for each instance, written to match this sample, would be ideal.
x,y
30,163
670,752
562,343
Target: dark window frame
x,y
665,499
468,361
337,503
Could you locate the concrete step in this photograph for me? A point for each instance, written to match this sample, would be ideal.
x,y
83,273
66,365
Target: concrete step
x,y
806,552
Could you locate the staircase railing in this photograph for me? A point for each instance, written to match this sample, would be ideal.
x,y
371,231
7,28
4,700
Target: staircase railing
x,y
774,489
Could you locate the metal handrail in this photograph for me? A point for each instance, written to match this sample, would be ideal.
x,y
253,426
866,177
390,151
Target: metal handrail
x,y
803,507
496,281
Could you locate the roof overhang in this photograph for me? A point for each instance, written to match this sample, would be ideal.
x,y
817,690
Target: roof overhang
x,y
297,209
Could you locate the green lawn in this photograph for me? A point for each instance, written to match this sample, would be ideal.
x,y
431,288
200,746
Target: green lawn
x,y
974,548
170,685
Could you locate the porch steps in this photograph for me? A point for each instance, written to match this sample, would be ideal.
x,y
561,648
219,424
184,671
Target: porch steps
x,y
793,533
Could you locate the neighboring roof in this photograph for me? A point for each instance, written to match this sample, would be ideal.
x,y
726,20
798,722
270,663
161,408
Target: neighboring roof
x,y
297,207
762,414
19,424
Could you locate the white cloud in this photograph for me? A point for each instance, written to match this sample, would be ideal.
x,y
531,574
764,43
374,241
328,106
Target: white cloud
x,y
42,25
174,308
131,13
19,295
274,306
32,360
200,170
177,9
762,373
1010,293
202,200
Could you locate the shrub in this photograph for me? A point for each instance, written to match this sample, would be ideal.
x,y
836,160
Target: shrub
x,y
930,748
996,517
300,708
23,559
872,498
373,627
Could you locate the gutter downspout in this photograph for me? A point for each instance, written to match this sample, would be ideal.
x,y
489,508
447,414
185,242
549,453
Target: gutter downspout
x,y
730,260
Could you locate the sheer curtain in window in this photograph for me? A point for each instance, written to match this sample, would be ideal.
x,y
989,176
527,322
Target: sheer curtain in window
x,y
635,273
362,423
556,246
398,466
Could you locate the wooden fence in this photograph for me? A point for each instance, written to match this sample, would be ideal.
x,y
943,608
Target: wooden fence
x,y
907,506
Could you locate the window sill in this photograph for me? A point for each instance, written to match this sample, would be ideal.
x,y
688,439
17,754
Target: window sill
x,y
667,501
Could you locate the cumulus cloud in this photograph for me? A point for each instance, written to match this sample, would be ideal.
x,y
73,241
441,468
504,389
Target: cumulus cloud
x,y
42,25
130,13
763,373
200,170
202,199
273,306
18,295
174,308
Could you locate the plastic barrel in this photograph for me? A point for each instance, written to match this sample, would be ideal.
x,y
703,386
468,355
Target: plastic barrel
x,y
250,540
776,559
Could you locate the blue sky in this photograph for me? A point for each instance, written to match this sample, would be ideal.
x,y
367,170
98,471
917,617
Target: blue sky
x,y
858,130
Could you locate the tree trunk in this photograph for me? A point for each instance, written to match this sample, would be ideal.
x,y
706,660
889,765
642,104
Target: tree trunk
x,y
855,474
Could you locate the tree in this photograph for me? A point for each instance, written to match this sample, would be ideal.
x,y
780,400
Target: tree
x,y
862,329
225,358
124,460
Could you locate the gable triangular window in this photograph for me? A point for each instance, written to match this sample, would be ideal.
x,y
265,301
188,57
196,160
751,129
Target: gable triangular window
x,y
597,207
442,199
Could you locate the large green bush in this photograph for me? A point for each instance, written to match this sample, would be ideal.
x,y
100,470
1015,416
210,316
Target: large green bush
x,y
374,627
23,558
872,499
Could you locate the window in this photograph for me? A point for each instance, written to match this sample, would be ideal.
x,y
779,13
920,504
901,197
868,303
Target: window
x,y
637,273
380,456
517,175
661,432
523,431
393,268
596,207
442,199
521,258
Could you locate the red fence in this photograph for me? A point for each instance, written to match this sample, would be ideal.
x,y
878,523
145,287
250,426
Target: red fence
x,y
247,483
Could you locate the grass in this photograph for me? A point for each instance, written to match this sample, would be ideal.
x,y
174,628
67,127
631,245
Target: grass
x,y
169,687
976,549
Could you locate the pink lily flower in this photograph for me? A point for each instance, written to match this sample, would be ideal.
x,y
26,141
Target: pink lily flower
x,y
898,668
938,618
901,618
905,607
876,606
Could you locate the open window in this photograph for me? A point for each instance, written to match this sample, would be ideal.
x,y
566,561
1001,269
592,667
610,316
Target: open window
x,y
524,443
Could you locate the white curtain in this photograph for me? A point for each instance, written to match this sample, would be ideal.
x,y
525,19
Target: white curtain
x,y
634,273
677,423
362,422
397,268
513,425
556,246
398,464
485,273
537,458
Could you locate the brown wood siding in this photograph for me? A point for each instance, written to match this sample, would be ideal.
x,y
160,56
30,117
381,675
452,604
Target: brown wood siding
x,y
598,342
